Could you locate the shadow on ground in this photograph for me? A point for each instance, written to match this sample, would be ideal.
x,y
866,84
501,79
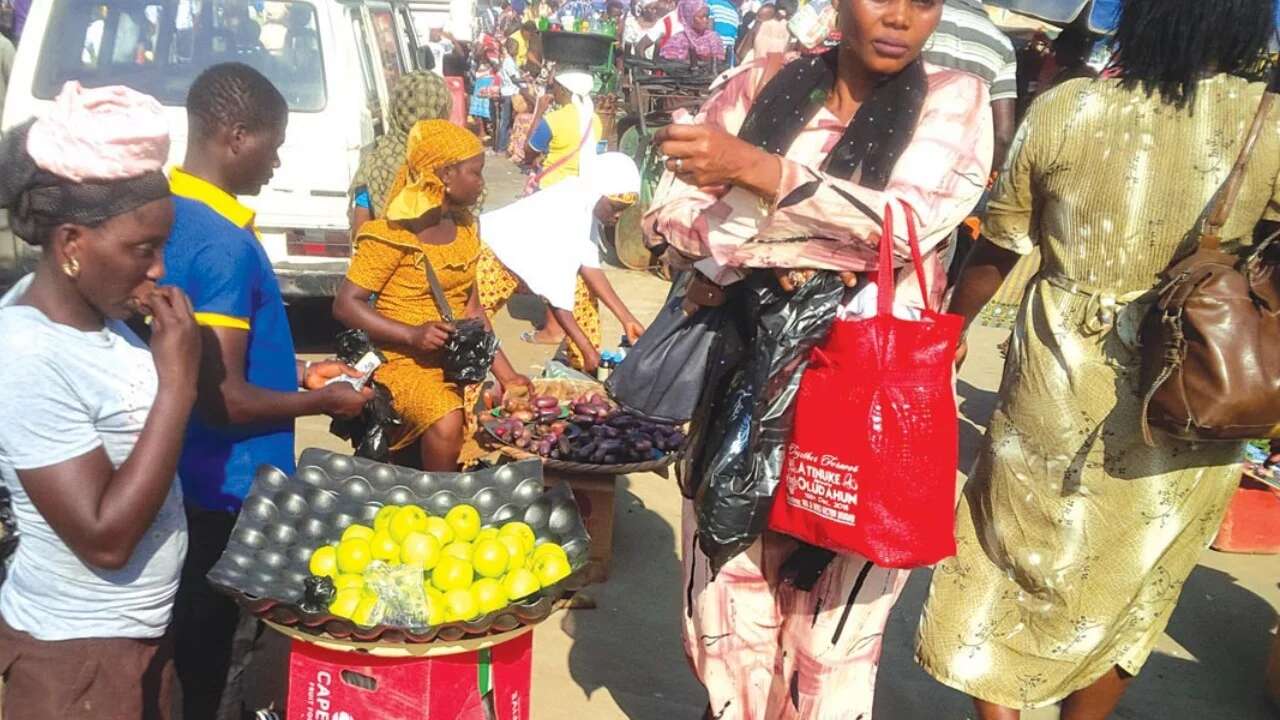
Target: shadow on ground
x,y
641,671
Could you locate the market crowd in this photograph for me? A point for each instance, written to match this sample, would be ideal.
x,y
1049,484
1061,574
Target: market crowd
x,y
150,365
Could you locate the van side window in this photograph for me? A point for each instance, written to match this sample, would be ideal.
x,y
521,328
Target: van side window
x,y
384,29
370,81
408,35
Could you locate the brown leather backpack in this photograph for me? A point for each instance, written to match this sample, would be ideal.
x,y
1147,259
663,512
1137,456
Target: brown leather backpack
x,y
1211,341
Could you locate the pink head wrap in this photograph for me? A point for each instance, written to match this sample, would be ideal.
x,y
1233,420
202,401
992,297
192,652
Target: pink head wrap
x,y
100,135
97,154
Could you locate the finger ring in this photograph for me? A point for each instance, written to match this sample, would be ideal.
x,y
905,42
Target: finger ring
x,y
679,164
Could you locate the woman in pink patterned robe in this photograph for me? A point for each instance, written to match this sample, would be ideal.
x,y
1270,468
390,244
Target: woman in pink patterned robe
x,y
764,649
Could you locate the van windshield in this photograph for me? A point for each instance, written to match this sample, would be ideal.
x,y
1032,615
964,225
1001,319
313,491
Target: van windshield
x,y
159,46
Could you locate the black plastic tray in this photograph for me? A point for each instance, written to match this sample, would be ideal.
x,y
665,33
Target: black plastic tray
x,y
284,518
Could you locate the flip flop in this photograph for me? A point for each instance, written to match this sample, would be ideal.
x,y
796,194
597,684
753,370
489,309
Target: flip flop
x,y
530,337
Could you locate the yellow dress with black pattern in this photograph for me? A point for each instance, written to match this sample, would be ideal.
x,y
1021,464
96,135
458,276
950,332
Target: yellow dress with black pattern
x,y
391,262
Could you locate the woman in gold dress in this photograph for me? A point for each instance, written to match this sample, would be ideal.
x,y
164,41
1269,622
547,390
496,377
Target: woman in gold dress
x,y
429,220
1075,537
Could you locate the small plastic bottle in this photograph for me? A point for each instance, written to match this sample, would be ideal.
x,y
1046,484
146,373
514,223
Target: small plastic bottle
x,y
624,347
608,361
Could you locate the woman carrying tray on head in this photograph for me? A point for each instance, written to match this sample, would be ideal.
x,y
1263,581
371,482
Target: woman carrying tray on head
x,y
428,221
1074,536
91,420
790,169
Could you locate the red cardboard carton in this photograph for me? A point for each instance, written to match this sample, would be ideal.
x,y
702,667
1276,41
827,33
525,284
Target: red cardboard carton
x,y
489,684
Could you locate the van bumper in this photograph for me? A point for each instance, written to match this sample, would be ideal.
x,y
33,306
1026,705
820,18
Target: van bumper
x,y
300,281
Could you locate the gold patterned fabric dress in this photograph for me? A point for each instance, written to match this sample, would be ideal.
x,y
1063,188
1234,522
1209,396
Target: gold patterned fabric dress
x,y
1075,537
391,262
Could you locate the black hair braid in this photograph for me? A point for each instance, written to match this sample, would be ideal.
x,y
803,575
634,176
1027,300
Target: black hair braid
x,y
234,93
1167,46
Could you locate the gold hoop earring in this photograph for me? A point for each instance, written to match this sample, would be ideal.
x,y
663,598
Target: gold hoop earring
x,y
72,268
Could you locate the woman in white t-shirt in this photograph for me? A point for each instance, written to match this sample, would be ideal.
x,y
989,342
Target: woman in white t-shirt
x,y
91,420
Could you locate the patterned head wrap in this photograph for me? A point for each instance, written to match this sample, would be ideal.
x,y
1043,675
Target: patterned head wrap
x,y
417,96
97,154
433,145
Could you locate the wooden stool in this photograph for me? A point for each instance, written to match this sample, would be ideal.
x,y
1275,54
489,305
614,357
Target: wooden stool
x,y
595,497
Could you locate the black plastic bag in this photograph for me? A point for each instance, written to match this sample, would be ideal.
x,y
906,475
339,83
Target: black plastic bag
x,y
369,431
469,352
9,526
748,417
663,376
471,348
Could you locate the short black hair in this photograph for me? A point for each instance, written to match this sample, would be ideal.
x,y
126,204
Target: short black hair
x,y
1167,46
234,93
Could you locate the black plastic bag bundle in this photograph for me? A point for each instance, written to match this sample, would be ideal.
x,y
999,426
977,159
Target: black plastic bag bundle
x,y
747,417
368,433
663,376
469,352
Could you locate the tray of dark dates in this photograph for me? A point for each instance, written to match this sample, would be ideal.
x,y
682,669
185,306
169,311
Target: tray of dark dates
x,y
586,433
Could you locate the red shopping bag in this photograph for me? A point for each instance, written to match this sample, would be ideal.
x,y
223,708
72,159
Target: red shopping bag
x,y
871,465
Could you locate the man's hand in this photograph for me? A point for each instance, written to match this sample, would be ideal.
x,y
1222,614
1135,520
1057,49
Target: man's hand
x,y
341,400
318,374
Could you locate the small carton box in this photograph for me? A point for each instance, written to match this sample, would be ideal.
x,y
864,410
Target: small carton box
x,y
489,684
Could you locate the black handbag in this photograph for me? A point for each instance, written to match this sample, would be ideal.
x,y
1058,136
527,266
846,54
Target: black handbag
x,y
471,348
662,377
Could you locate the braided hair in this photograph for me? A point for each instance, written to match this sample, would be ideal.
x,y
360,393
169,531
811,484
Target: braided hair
x,y
1166,46
233,93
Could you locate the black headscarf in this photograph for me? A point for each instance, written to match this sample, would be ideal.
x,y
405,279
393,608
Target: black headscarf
x,y
39,201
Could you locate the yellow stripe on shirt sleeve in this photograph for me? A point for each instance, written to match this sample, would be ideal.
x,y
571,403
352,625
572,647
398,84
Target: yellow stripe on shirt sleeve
x,y
223,321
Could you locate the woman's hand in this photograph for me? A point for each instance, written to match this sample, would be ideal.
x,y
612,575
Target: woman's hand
x,y
508,382
707,156
429,337
590,360
792,280
633,329
175,338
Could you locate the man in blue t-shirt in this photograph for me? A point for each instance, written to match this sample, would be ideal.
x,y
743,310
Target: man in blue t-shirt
x,y
249,375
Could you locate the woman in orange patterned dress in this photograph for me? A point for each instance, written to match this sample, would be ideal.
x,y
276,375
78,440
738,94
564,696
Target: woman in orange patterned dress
x,y
427,221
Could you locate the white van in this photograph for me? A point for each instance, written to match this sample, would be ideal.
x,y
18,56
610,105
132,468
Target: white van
x,y
334,61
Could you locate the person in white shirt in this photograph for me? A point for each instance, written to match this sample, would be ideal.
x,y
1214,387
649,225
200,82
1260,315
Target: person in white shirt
x,y
509,82
91,419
